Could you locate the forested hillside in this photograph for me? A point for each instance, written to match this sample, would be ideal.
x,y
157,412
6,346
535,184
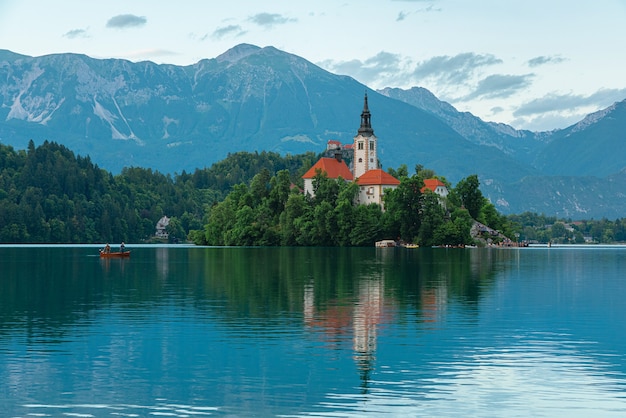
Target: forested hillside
x,y
49,195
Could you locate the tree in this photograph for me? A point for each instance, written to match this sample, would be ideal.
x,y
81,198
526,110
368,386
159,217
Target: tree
x,y
366,230
468,195
404,206
433,216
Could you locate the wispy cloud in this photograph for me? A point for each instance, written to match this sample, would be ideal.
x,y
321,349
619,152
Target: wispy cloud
x,y
382,70
499,86
230,30
451,74
430,6
558,102
562,110
401,16
542,60
453,69
270,20
76,33
126,21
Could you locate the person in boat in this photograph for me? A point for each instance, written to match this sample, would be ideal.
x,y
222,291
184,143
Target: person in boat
x,y
107,248
122,246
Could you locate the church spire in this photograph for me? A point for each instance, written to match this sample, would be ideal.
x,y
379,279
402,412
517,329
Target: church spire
x,y
366,124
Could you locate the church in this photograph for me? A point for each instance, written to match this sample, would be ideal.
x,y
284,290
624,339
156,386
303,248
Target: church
x,y
366,171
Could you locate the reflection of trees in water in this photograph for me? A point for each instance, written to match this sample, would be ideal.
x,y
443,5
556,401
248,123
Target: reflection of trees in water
x,y
431,279
59,286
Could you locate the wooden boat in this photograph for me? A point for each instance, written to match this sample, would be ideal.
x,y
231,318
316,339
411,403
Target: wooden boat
x,y
118,254
411,246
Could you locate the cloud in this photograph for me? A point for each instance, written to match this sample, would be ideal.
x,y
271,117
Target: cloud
x,y
569,102
442,74
499,86
126,21
430,7
453,70
234,30
563,110
76,33
401,16
381,70
541,60
270,20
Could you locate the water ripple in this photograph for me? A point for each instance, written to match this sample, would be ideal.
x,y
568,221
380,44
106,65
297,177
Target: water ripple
x,y
537,377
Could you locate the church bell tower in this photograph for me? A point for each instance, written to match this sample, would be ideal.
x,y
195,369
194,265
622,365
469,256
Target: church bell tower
x,y
365,146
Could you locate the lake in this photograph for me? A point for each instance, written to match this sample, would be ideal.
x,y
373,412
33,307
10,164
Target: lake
x,y
298,332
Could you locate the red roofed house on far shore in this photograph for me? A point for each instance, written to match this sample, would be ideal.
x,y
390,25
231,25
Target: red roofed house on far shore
x,y
372,187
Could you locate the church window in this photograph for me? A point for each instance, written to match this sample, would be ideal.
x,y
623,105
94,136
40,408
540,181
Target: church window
x,y
360,145
360,160
371,146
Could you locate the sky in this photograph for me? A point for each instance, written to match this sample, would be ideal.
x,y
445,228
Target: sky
x,y
532,64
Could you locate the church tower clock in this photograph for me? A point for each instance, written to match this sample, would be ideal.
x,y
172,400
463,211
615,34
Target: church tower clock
x,y
365,146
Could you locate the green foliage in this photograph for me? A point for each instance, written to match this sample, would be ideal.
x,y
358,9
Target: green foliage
x,y
543,229
467,194
269,212
49,195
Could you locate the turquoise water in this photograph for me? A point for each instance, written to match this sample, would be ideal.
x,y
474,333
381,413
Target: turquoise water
x,y
188,331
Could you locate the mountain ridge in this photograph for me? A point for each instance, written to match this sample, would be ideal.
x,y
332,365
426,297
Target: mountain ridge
x,y
174,118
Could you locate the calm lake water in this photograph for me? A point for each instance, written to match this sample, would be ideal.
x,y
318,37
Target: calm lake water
x,y
299,332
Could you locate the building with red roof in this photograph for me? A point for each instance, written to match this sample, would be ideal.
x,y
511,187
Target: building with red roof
x,y
435,186
373,185
334,168
333,144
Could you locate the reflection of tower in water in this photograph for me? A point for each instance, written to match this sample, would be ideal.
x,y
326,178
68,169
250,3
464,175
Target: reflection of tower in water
x,y
361,315
368,313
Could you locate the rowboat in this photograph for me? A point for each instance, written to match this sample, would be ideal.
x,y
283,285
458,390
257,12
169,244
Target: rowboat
x,y
118,254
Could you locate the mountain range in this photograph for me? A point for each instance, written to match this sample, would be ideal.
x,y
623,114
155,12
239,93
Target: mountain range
x,y
179,118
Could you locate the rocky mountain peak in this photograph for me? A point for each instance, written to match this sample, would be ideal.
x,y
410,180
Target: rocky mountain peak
x,y
238,52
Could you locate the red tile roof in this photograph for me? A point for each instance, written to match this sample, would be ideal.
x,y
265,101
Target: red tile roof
x,y
376,177
432,184
331,167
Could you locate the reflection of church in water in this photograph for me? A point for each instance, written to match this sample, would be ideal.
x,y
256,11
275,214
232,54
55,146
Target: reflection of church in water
x,y
361,319
360,316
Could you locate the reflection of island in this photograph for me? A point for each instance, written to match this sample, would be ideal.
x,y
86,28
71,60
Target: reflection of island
x,y
360,316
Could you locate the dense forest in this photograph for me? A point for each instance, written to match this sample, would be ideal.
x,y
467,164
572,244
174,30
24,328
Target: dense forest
x,y
50,195
271,211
